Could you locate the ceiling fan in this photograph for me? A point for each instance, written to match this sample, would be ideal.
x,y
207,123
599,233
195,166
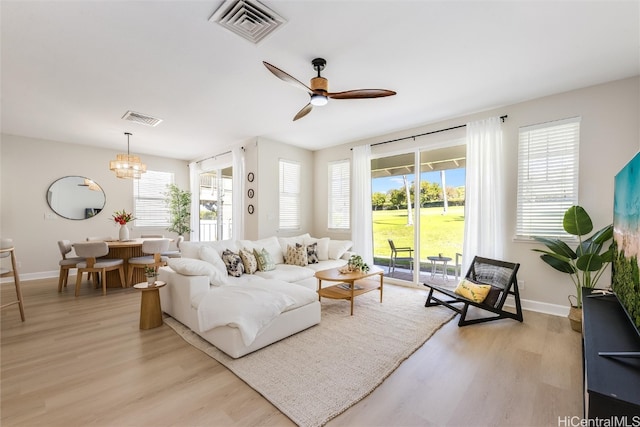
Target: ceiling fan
x,y
319,90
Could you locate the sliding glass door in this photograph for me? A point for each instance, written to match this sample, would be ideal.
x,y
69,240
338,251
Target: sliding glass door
x,y
409,226
216,207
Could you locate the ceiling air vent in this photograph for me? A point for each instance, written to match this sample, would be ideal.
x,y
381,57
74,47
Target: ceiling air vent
x,y
132,116
251,20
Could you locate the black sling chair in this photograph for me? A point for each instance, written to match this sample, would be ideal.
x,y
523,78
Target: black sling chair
x,y
501,275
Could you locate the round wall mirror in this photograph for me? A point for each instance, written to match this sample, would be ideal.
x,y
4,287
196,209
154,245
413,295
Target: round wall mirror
x,y
75,197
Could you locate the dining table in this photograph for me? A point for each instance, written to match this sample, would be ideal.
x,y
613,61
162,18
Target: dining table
x,y
125,249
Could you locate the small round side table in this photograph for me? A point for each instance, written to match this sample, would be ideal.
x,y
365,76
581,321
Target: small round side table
x,y
150,311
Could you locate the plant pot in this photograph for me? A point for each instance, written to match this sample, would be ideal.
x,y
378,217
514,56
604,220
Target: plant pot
x,y
575,318
151,280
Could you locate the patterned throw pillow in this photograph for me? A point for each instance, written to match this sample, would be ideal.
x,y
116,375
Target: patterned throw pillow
x,y
472,291
312,253
265,263
296,255
234,264
249,261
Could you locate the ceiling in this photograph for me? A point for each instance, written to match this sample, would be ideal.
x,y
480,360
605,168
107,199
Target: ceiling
x,y
70,69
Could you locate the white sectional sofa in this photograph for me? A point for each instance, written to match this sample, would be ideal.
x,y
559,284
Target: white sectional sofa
x,y
242,314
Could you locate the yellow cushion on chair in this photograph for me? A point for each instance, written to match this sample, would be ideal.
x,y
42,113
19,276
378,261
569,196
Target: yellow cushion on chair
x,y
472,291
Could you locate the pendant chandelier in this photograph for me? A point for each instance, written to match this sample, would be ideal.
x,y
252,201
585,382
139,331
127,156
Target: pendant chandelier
x,y
126,165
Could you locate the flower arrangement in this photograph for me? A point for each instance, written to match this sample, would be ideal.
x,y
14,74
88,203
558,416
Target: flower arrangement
x,y
122,217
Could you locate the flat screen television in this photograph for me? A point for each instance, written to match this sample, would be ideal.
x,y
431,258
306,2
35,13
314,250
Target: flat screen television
x,y
625,277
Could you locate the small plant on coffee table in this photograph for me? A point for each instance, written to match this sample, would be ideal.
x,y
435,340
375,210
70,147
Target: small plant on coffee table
x,y
356,263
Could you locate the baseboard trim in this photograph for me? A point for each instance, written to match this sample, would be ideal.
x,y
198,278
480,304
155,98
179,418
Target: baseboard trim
x,y
531,305
25,277
540,307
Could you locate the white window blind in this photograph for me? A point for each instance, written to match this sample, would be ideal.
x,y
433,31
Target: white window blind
x,y
547,177
150,209
289,195
339,195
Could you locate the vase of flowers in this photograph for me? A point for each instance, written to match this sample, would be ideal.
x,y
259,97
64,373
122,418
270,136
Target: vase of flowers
x,y
122,218
152,275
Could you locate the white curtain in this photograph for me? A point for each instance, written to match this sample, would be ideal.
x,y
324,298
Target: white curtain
x,y
237,231
361,227
484,205
194,187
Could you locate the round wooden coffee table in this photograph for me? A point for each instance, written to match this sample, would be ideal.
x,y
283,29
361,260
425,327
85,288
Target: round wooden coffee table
x,y
150,310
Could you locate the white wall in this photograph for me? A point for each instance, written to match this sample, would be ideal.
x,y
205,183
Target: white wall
x,y
29,166
266,182
609,138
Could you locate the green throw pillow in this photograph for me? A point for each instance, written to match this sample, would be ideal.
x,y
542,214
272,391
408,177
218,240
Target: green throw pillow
x,y
265,263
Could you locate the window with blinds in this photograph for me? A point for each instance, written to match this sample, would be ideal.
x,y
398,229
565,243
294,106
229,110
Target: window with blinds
x,y
150,209
289,189
547,177
339,195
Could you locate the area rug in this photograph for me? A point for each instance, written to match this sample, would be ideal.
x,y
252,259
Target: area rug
x,y
317,374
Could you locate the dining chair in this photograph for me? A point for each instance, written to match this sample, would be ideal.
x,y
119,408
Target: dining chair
x,y
154,257
91,251
66,264
175,254
8,251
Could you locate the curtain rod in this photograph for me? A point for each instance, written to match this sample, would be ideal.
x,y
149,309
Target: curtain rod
x,y
216,155
428,133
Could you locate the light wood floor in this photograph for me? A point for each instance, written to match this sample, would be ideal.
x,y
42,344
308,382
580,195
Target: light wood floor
x,y
83,361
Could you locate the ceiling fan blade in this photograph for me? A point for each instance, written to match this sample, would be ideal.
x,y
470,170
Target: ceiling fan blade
x,y
361,93
286,77
305,110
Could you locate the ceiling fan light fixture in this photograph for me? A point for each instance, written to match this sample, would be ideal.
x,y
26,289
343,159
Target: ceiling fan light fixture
x,y
319,100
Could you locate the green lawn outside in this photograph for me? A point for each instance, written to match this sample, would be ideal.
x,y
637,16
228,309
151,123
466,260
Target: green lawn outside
x,y
439,233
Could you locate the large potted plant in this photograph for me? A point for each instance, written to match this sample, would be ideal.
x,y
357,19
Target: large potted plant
x,y
179,203
586,263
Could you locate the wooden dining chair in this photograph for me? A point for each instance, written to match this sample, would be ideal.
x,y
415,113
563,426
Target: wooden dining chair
x,y
91,251
8,251
66,263
153,258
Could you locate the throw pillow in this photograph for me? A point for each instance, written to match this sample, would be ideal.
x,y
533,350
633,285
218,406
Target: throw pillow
x,y
312,254
285,242
265,263
249,261
196,267
234,264
337,248
323,246
472,291
212,256
296,255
